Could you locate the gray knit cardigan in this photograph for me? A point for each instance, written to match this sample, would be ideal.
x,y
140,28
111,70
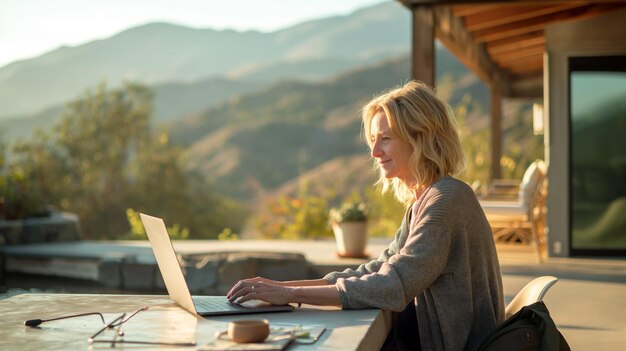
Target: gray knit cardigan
x,y
445,260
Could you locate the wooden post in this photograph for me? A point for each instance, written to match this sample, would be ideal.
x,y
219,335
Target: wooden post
x,y
423,60
496,130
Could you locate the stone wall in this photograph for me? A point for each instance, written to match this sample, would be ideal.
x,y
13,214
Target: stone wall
x,y
207,274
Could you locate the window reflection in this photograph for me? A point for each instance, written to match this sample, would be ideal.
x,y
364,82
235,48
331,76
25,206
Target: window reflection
x,y
598,155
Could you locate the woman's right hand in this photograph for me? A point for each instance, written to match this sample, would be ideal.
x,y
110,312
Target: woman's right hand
x,y
262,289
251,281
315,292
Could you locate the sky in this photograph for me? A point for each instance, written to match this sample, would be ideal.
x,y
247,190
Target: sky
x,y
29,28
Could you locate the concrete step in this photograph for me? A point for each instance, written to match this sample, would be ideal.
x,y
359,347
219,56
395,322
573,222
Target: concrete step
x,y
210,267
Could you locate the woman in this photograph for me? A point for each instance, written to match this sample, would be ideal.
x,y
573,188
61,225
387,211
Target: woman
x,y
441,271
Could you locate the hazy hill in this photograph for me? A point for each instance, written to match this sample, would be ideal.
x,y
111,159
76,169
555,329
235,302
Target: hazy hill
x,y
340,175
161,52
246,134
261,140
172,101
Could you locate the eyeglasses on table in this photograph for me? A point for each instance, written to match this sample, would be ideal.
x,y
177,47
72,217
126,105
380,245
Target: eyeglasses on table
x,y
116,325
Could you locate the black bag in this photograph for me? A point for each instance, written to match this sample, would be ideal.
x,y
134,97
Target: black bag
x,y
530,329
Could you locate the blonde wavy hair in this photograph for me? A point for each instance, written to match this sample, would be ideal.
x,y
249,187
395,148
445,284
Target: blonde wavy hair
x,y
416,115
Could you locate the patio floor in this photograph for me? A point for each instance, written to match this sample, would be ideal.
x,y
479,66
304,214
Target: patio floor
x,y
587,303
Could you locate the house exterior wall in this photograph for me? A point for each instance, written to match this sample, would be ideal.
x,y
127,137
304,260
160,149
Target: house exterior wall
x,y
597,36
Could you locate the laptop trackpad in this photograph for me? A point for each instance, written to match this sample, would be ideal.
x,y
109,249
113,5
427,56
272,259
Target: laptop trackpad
x,y
255,304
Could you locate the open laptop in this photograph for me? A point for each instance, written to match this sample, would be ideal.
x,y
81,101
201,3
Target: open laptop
x,y
177,286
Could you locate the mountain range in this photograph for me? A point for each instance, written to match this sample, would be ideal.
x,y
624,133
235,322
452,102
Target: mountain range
x,y
255,111
159,53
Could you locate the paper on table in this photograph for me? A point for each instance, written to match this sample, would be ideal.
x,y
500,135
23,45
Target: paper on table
x,y
276,341
305,333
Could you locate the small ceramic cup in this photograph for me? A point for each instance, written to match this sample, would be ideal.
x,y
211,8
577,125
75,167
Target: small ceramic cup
x,y
248,330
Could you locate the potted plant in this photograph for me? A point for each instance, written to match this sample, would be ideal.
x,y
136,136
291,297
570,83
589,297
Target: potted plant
x,y
349,223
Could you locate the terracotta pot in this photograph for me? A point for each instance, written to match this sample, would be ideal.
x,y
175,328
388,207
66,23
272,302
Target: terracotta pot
x,y
351,238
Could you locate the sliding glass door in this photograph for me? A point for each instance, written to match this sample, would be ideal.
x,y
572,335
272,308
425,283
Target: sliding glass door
x,y
598,155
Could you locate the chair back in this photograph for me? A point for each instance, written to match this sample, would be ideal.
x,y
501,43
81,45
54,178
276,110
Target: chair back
x,y
531,183
531,293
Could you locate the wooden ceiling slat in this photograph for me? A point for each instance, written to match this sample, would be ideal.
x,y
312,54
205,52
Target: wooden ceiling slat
x,y
512,14
527,71
534,72
539,23
503,41
522,61
451,32
524,76
536,51
512,29
468,10
523,65
515,43
500,3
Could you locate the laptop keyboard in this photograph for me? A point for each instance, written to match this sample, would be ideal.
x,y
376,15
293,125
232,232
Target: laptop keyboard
x,y
215,304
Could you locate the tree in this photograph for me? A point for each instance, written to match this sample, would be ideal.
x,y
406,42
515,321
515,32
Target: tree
x,y
103,158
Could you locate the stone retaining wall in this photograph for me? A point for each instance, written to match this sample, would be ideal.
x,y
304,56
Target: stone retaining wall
x,y
207,274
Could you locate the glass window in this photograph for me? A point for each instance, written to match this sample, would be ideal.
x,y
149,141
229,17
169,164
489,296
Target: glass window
x,y
598,155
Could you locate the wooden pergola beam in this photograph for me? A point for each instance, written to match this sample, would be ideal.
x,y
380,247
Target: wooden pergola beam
x,y
528,85
534,50
468,10
515,43
501,3
523,64
451,32
533,24
500,41
496,132
504,15
423,46
530,68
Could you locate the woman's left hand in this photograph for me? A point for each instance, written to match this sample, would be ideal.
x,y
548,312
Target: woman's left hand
x,y
255,289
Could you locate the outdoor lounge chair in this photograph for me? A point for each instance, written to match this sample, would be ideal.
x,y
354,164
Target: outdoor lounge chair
x,y
532,292
520,218
527,322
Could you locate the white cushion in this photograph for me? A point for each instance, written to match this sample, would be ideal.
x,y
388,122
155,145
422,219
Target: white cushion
x,y
504,211
530,182
516,211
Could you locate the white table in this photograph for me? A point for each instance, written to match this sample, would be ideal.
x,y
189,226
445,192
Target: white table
x,y
165,321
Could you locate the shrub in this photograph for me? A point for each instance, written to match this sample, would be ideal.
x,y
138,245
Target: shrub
x,y
354,211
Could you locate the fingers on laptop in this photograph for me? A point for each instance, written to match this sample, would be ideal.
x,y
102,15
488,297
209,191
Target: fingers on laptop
x,y
242,291
243,283
234,289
